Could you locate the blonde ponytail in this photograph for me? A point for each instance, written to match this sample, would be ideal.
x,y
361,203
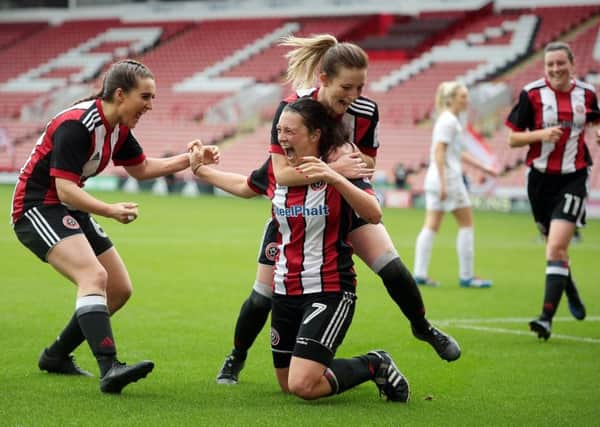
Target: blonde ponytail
x,y
322,50
304,60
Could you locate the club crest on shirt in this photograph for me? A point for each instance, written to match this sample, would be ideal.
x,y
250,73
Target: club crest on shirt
x,y
271,251
579,109
274,337
317,186
70,222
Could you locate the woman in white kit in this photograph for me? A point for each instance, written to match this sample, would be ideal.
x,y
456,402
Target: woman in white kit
x,y
445,189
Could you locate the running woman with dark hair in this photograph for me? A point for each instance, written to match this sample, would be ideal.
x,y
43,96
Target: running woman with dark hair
x,y
51,213
550,117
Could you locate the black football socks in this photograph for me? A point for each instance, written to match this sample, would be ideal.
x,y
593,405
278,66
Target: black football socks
x,y
557,277
403,289
252,318
68,340
344,374
94,320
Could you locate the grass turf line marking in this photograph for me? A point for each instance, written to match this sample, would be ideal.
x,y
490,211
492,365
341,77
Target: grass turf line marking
x,y
472,324
511,320
528,333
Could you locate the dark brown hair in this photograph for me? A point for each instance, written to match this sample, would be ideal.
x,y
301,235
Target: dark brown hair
x,y
554,46
123,74
316,116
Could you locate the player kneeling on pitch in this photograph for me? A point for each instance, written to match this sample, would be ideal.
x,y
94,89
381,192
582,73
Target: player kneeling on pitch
x,y
315,283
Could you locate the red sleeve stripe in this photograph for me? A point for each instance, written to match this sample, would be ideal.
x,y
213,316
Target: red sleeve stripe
x,y
59,173
513,127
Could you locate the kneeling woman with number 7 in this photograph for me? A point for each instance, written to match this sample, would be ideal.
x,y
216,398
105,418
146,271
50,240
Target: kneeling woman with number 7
x,y
314,284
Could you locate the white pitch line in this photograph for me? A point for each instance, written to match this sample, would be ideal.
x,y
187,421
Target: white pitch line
x,y
515,332
510,320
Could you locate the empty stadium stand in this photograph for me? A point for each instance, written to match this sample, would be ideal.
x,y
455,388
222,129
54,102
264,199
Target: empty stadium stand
x,y
199,64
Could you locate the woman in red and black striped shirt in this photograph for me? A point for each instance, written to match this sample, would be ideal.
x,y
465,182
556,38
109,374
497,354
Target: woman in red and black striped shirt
x,y
340,69
551,118
51,213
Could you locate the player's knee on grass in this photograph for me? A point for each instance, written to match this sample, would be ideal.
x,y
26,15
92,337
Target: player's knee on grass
x,y
304,383
282,379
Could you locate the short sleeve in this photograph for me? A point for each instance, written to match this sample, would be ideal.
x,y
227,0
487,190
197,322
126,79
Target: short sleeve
x,y
368,143
593,113
71,146
445,129
259,178
128,153
521,116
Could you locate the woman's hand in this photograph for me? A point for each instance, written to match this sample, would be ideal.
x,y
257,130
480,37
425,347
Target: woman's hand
x,y
491,171
124,212
201,155
352,165
552,134
312,167
194,143
348,161
443,191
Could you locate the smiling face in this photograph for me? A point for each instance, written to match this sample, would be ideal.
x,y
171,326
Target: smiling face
x,y
559,69
295,138
137,101
338,92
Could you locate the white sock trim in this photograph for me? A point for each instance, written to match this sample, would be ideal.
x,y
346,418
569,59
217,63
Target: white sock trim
x,y
88,300
263,289
383,260
559,271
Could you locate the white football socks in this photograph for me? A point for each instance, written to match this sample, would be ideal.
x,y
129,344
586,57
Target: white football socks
x,y
423,252
465,251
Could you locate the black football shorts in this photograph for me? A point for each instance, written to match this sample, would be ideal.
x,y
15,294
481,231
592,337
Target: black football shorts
x,y
42,227
310,326
557,197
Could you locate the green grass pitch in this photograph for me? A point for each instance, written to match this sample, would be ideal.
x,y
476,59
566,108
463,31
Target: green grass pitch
x,y
192,262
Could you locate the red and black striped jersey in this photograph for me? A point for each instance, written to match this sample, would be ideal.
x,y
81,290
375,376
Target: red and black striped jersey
x,y
540,107
77,144
313,223
361,121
